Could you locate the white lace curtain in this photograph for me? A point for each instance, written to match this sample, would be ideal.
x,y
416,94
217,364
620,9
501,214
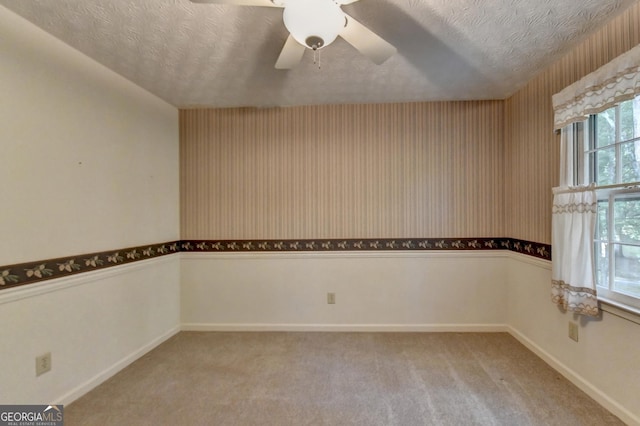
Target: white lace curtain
x,y
573,285
617,81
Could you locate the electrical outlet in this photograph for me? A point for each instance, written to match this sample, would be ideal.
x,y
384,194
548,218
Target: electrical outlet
x,y
43,363
331,298
573,331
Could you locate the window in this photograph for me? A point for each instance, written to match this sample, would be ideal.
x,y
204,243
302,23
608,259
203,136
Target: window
x,y
607,148
601,153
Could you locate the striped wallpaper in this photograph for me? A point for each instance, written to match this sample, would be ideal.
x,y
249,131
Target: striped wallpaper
x,y
343,171
532,148
444,169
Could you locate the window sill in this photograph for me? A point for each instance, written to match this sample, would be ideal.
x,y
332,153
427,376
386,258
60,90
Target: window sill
x,y
623,311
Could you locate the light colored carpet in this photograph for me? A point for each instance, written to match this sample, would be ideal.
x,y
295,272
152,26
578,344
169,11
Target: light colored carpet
x,y
338,379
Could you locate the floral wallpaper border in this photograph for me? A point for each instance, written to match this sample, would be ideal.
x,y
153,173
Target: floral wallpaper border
x,y
34,272
542,251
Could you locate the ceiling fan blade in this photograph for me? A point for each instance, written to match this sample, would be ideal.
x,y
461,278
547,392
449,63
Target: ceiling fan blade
x,y
291,54
367,42
264,3
343,2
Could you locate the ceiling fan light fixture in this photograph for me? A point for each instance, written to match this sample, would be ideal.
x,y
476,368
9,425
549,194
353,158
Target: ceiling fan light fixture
x,y
314,23
314,42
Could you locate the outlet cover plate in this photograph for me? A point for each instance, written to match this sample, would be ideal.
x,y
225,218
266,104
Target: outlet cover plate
x,y
43,363
573,331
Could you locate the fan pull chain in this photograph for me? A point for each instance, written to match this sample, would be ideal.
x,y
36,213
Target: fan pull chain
x,y
316,57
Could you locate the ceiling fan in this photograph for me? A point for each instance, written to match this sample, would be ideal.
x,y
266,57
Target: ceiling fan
x,y
314,24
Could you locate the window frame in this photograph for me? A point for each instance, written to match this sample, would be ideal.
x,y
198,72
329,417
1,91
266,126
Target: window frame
x,y
580,170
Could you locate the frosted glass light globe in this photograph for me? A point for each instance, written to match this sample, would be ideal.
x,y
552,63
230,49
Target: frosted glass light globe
x,y
314,23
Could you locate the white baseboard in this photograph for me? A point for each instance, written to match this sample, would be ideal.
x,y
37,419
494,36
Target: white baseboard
x,y
98,379
432,328
584,385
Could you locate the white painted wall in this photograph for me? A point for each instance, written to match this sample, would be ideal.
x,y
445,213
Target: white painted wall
x,y
374,291
94,324
605,362
88,162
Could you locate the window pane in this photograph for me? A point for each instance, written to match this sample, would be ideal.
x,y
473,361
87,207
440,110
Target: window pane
x,y
605,166
627,219
626,224
630,119
627,269
630,161
611,154
602,224
601,255
606,128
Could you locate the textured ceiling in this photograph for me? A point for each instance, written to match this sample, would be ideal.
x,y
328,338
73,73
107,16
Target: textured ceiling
x,y
223,56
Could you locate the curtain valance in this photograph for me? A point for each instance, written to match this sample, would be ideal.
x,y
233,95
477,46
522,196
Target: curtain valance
x,y
610,84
